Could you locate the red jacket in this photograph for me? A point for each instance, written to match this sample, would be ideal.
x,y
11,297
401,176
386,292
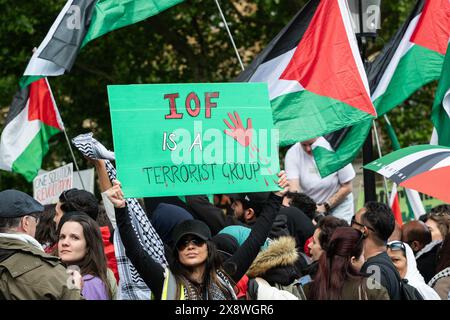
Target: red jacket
x,y
109,251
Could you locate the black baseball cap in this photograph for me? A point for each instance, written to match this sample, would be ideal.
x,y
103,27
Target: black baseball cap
x,y
253,200
191,227
15,204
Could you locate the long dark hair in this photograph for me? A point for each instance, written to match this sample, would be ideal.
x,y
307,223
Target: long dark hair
x,y
46,228
335,267
94,262
213,264
444,255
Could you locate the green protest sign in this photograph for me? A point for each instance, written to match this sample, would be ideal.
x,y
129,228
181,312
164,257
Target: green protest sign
x,y
187,139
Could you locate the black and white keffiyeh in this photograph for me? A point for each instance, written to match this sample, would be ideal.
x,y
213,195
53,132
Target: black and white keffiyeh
x,y
91,148
442,274
131,285
191,291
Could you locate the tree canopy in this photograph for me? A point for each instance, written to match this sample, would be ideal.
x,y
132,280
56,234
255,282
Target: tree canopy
x,y
186,43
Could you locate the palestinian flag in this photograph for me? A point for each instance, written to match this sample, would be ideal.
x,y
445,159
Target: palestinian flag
x,y
440,115
425,168
316,79
32,119
81,21
413,200
110,15
340,147
412,59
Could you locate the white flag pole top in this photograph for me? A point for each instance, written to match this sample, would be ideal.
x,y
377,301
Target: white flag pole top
x,y
380,155
229,34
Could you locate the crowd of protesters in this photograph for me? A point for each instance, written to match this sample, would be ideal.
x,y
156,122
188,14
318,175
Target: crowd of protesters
x,y
304,242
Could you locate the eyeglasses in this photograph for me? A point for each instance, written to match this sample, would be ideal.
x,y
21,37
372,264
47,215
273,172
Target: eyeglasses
x,y
397,245
36,218
362,236
360,224
184,243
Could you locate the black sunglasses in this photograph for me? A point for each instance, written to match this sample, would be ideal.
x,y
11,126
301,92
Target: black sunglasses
x,y
397,245
183,243
360,224
361,238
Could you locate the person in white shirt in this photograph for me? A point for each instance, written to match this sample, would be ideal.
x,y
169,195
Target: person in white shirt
x,y
333,194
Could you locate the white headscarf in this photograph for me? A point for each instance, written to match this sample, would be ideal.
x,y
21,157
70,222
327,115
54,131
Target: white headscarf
x,y
415,278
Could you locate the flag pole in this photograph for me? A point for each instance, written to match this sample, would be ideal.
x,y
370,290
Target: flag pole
x,y
67,139
229,34
413,200
377,140
73,158
370,193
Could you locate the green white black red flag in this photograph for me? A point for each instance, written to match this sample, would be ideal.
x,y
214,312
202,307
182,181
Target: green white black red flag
x,y
316,79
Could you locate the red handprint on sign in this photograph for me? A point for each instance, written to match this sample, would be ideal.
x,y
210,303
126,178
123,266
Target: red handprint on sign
x,y
238,132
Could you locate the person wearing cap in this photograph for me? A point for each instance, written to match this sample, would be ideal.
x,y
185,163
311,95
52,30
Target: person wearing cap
x,y
246,208
26,271
196,271
333,193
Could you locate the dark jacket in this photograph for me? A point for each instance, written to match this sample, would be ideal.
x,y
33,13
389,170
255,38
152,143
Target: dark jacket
x,y
153,273
385,272
299,225
26,273
276,266
427,260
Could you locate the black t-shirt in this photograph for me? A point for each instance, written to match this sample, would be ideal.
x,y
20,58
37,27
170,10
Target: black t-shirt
x,y
388,275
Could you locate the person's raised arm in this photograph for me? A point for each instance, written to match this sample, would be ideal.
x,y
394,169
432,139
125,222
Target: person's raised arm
x,y
151,271
237,265
102,174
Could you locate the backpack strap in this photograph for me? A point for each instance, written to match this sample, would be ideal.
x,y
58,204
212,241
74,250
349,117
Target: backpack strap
x,y
252,289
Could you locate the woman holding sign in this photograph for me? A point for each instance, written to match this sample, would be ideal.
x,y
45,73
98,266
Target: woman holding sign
x,y
196,271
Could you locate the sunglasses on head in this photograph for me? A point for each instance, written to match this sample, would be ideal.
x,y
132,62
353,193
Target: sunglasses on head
x,y
183,243
397,245
64,194
360,224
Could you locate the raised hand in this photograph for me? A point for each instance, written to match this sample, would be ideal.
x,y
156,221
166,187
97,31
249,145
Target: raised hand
x,y
115,195
283,183
238,132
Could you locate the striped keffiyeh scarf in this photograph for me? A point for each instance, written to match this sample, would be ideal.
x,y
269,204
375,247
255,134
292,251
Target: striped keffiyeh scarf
x,y
443,273
131,285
